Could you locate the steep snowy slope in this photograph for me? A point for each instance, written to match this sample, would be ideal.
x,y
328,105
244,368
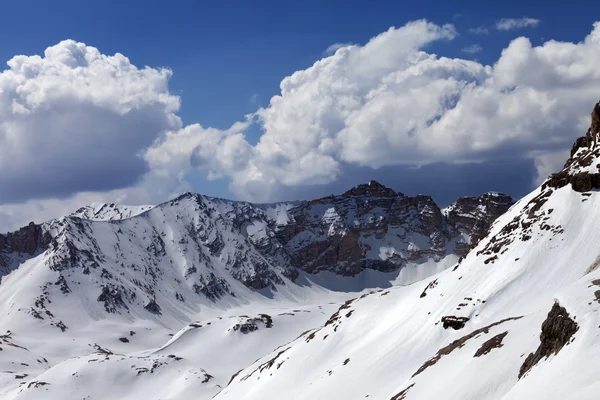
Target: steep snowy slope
x,y
517,318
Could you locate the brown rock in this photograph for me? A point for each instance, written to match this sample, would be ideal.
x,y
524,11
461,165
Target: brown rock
x,y
25,240
336,233
557,331
489,345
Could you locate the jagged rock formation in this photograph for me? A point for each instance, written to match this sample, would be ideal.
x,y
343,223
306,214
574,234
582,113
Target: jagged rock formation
x,y
557,331
22,243
372,226
25,240
473,217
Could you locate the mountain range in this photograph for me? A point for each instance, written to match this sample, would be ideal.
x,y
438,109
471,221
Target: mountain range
x,y
370,294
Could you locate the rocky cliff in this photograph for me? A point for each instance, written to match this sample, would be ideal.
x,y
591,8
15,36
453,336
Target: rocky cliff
x,y
372,226
21,244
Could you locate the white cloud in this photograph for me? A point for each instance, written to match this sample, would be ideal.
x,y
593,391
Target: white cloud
x,y
152,189
385,103
304,134
507,24
76,120
216,151
335,47
480,30
389,103
472,49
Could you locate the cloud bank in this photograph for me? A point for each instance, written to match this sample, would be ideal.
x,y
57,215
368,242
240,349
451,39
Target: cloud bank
x,y
390,103
77,120
91,127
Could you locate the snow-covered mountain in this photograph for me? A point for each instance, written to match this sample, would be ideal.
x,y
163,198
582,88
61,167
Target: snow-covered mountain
x,y
208,241
209,298
109,283
517,318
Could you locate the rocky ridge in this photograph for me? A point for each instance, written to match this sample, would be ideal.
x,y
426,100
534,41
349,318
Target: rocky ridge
x,y
143,258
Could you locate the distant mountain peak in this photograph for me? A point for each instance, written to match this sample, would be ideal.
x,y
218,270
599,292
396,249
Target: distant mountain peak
x,y
372,189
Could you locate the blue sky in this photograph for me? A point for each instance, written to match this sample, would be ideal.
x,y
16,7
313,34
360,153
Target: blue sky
x,y
229,57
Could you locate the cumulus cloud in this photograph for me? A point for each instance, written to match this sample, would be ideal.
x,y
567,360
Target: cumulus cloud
x,y
307,127
76,120
219,152
508,24
472,49
388,103
391,103
334,47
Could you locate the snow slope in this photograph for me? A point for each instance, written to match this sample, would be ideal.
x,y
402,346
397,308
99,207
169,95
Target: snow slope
x,y
196,362
196,299
376,343
517,318
392,343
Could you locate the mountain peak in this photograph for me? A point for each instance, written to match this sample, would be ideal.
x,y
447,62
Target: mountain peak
x,y
372,189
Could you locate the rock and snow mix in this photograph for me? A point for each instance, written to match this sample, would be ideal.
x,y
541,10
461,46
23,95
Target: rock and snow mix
x,y
208,298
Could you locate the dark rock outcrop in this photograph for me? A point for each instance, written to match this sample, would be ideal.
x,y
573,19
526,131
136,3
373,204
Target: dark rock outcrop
x,y
458,343
453,322
153,307
252,324
337,233
22,243
579,143
557,331
26,240
474,216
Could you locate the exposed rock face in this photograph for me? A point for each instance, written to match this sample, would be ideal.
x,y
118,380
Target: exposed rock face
x,y
581,170
557,331
489,345
25,240
473,216
21,244
252,324
153,307
374,227
453,322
